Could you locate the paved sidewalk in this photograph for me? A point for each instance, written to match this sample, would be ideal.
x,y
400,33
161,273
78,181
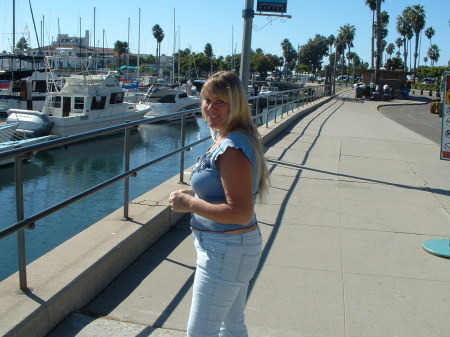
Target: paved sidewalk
x,y
353,195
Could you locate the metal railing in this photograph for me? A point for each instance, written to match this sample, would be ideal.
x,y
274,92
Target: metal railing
x,y
264,108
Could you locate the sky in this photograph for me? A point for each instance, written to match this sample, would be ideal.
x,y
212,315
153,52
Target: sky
x,y
192,24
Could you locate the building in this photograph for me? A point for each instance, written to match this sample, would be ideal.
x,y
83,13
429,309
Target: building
x,y
395,79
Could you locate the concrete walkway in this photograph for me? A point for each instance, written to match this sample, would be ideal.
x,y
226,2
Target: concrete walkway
x,y
353,196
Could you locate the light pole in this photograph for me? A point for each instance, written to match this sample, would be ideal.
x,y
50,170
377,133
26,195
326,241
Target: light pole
x,y
248,13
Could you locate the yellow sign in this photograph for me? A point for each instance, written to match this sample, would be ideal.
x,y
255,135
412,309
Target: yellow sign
x,y
447,100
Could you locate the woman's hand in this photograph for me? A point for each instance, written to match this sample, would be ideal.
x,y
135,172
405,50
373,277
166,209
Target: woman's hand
x,y
180,200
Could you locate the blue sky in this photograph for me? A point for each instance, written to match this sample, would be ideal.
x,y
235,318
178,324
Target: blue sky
x,y
220,23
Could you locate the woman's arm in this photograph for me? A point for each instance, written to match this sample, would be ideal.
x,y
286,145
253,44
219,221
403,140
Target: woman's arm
x,y
236,174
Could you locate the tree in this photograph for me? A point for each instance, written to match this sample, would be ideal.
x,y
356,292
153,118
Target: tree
x,y
394,63
347,35
313,52
208,51
404,28
415,15
425,60
399,43
429,33
331,39
289,55
262,63
158,34
22,44
373,7
390,48
120,47
434,54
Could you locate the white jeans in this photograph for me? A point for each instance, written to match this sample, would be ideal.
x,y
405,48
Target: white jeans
x,y
225,265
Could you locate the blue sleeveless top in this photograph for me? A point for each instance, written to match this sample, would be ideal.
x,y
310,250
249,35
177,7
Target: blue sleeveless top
x,y
207,185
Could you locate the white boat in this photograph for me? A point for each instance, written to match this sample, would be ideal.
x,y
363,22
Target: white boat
x,y
87,102
163,100
270,93
10,139
27,93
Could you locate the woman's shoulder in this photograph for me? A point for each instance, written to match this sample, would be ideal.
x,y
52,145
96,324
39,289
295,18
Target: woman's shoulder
x,y
236,137
238,140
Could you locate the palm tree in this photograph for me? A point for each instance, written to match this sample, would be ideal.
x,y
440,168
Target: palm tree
x,y
289,55
399,43
434,54
120,47
373,6
415,15
158,34
209,53
390,49
347,35
425,59
331,39
378,54
429,33
404,28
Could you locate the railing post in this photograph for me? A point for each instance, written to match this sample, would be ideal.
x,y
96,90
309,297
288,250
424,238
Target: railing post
x,y
183,142
126,164
18,175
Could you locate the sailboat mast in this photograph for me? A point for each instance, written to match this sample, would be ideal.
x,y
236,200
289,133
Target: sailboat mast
x,y
139,45
95,54
128,49
34,24
174,42
179,56
14,26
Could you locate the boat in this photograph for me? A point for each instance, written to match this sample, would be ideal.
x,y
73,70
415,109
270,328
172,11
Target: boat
x,y
11,138
85,103
165,99
27,93
270,93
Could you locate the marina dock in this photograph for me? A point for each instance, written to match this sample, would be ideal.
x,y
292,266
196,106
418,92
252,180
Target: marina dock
x,y
353,195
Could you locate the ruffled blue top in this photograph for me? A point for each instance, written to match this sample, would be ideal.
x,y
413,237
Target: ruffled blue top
x,y
207,185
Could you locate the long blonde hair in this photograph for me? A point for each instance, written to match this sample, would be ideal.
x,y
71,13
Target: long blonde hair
x,y
228,87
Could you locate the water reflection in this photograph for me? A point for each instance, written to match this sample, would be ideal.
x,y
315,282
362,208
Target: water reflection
x,y
57,174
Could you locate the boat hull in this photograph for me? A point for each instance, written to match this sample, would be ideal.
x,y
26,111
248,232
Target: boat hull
x,y
67,126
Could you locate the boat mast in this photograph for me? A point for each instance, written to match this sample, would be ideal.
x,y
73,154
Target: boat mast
x,y
95,54
139,45
174,42
128,49
14,26
179,56
35,31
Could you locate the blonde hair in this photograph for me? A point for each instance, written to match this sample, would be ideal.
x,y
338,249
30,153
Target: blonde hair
x,y
228,87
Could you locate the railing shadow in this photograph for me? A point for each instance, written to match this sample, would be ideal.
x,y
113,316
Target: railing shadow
x,y
279,218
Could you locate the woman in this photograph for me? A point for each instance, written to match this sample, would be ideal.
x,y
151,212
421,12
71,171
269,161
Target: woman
x,y
225,183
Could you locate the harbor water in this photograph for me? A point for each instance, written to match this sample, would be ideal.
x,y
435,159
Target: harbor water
x,y
56,174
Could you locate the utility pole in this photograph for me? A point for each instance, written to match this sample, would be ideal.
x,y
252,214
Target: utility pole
x,y
248,14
